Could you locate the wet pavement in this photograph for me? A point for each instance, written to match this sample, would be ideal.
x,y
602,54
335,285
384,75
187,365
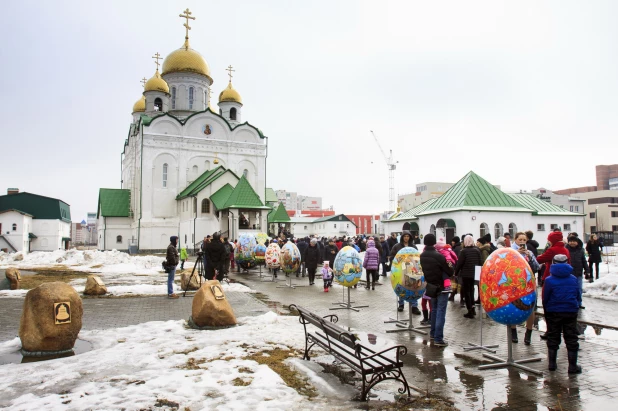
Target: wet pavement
x,y
450,372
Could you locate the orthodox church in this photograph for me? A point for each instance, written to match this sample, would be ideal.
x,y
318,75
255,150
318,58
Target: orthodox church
x,y
188,168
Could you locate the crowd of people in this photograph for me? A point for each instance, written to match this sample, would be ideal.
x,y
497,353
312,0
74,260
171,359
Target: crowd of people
x,y
449,270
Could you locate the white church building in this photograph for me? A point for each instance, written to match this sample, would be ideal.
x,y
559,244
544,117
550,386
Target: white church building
x,y
188,169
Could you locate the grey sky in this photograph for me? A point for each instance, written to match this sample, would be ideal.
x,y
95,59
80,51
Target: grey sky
x,y
523,93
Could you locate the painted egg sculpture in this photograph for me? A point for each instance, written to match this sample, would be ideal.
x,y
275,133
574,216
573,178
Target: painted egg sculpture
x,y
261,238
348,267
259,253
273,256
290,257
508,290
407,276
244,251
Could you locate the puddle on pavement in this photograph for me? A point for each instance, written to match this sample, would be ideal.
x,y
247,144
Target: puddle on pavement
x,y
16,357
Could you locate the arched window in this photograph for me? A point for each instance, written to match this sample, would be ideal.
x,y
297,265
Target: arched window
x,y
173,98
205,206
233,113
164,175
191,98
406,226
432,229
118,239
158,105
498,230
512,230
194,168
14,227
484,229
207,165
245,172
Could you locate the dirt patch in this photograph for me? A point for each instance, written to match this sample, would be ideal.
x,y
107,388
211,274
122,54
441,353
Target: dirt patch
x,y
275,360
239,382
49,275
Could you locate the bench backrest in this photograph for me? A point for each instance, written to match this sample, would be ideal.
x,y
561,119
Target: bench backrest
x,y
330,329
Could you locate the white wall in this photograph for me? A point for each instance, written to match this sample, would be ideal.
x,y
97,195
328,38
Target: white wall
x,y
109,228
19,236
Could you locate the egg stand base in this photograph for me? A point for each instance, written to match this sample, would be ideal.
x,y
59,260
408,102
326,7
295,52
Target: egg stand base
x,y
272,279
509,362
289,284
410,326
473,346
396,320
347,305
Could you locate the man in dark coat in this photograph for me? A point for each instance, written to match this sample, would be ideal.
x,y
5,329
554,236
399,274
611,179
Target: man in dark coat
x,y
385,253
312,259
392,240
434,265
331,253
578,261
171,261
302,247
229,251
404,241
215,254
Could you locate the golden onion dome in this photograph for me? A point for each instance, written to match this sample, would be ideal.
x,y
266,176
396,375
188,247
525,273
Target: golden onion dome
x,y
140,105
156,83
185,59
230,94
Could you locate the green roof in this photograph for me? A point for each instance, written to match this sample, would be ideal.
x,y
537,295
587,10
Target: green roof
x,y
338,217
271,196
201,182
220,197
114,202
473,192
244,196
279,215
411,214
540,207
39,207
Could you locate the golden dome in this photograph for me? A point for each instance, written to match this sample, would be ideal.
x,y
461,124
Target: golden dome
x,y
186,59
230,94
156,83
140,105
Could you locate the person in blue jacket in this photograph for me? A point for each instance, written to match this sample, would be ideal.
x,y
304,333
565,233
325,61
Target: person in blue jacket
x,y
562,298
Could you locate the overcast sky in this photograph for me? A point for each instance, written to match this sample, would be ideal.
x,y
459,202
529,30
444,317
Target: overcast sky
x,y
523,93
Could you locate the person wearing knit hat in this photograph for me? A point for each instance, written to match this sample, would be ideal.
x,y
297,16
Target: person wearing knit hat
x,y
429,240
557,247
562,298
484,248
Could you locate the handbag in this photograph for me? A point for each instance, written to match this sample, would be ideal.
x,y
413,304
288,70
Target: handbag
x,y
432,290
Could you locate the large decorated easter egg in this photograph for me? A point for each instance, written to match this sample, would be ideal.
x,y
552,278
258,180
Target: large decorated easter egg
x,y
244,251
259,253
508,290
290,257
407,276
273,256
348,267
261,238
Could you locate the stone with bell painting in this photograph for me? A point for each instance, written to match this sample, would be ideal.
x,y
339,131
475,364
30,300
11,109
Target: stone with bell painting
x,y
51,318
211,307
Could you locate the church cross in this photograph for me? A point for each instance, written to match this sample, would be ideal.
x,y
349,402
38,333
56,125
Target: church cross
x,y
157,57
229,71
143,81
186,15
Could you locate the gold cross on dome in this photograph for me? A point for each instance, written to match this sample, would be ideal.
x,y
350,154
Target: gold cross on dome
x,y
157,57
143,81
229,72
187,15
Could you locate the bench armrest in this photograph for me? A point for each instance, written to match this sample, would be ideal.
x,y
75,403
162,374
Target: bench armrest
x,y
400,350
331,317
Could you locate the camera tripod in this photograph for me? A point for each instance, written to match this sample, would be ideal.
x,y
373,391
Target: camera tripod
x,y
199,265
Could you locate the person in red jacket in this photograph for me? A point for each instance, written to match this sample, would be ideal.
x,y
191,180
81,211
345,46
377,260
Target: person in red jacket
x,y
557,247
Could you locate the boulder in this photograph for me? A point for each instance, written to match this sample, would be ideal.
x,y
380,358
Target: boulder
x,y
51,319
211,308
14,276
19,256
185,284
94,286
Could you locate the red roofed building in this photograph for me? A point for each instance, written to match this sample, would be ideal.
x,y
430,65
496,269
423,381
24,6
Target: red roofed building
x,y
311,213
365,224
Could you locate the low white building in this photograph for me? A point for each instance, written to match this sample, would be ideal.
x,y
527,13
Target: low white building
x,y
331,226
31,222
475,206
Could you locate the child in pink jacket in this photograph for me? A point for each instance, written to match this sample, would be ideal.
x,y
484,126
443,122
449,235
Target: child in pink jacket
x,y
451,259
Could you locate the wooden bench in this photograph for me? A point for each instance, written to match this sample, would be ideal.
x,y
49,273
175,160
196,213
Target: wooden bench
x,y
373,367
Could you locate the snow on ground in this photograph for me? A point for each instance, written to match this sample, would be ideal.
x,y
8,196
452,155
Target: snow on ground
x,y
606,287
122,273
132,367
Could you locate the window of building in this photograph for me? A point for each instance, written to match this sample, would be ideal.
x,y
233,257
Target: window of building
x,y
593,228
233,113
334,225
512,230
593,215
577,209
305,228
164,175
614,213
567,227
615,228
432,229
195,170
613,183
14,227
484,229
347,226
118,239
553,226
498,230
191,89
205,206
540,227
173,98
571,208
158,104
245,173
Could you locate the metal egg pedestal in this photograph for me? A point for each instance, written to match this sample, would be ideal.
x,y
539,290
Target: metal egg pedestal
x,y
409,326
480,346
347,305
289,284
509,361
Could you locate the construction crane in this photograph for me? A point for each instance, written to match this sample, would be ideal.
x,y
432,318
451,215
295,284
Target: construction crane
x,y
392,165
